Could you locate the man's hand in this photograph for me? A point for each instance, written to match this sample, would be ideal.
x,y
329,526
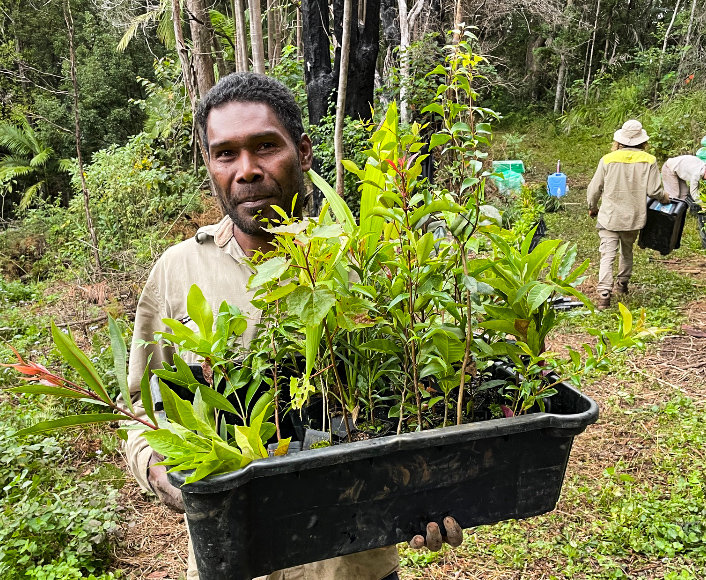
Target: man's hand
x,y
166,492
592,213
434,538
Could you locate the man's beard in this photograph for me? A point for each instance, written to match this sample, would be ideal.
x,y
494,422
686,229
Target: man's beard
x,y
253,224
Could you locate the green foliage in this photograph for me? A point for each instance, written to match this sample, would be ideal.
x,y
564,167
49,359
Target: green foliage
x,y
290,71
53,523
354,133
26,164
673,126
424,54
611,102
131,191
167,110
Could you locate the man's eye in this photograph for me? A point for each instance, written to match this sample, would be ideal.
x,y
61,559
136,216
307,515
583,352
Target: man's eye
x,y
224,153
265,146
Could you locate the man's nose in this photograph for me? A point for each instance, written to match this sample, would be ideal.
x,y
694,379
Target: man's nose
x,y
248,168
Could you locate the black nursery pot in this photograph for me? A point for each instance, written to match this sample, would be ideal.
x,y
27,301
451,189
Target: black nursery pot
x,y
317,504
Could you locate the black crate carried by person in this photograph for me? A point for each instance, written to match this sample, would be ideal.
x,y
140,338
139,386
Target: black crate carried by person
x,y
664,226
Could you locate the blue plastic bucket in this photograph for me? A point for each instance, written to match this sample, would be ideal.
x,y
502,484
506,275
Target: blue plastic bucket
x,y
556,184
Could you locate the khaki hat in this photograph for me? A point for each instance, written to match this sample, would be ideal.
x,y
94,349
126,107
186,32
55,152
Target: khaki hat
x,y
631,134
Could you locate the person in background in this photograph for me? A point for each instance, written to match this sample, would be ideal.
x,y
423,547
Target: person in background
x,y
622,181
257,155
701,153
681,176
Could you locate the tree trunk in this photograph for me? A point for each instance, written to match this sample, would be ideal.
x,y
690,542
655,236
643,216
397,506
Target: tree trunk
x,y
458,18
664,49
241,37
365,45
186,70
77,134
560,84
341,100
201,46
593,46
318,73
271,32
300,48
258,51
532,72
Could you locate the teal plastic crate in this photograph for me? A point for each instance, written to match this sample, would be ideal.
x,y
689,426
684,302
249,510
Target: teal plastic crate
x,y
515,165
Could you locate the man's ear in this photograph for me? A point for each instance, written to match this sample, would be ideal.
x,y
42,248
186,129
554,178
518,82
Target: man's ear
x,y
306,153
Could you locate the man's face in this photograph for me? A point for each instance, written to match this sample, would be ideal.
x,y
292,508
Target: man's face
x,y
254,164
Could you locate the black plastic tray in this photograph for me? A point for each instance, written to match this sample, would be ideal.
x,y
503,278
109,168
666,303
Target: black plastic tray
x,y
664,226
317,504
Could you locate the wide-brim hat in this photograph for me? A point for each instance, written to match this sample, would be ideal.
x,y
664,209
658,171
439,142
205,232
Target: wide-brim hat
x,y
631,134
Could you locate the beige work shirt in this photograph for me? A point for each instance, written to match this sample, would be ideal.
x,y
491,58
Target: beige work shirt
x,y
688,168
214,261
624,179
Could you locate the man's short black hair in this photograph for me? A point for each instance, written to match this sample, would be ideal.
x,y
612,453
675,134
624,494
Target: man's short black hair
x,y
249,87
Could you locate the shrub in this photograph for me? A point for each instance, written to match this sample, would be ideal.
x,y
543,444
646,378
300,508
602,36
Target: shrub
x,y
53,524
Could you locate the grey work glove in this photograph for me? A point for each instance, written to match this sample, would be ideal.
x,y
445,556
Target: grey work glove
x,y
166,492
434,538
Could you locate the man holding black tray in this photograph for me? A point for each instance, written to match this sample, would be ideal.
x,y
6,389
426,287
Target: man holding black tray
x,y
257,155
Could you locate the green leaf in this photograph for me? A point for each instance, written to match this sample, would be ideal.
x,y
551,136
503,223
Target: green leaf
x,y
268,271
79,362
146,393
338,206
626,316
438,139
215,399
69,421
381,345
311,305
450,348
424,247
538,295
117,343
36,389
280,292
200,311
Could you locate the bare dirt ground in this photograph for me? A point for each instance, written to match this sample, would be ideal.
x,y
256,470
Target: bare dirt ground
x,y
154,545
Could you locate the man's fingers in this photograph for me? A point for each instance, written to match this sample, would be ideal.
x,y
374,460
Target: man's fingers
x,y
454,533
434,539
417,542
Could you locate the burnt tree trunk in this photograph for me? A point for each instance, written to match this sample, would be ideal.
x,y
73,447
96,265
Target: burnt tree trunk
x,y
318,72
321,76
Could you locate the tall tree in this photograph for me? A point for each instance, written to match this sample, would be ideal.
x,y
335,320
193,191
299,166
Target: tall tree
x,y
77,128
256,40
201,45
241,37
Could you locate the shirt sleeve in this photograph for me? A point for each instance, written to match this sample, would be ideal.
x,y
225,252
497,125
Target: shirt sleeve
x,y
151,310
595,188
654,185
694,186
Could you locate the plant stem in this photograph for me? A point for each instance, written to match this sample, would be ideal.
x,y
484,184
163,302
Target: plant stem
x,y
338,382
